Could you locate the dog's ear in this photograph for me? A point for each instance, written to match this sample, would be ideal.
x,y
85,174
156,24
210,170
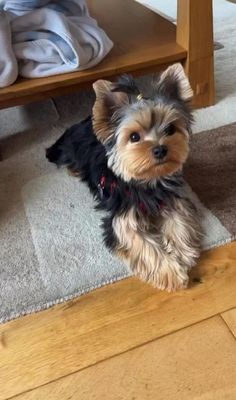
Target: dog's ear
x,y
107,103
174,83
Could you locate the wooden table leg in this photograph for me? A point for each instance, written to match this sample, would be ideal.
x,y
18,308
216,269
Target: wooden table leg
x,y
195,34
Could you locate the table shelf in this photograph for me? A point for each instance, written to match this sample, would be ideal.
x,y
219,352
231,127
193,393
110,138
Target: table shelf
x,y
143,42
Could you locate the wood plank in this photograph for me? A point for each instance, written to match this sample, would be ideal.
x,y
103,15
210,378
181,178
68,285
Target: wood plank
x,y
196,363
230,319
29,90
147,42
195,34
43,347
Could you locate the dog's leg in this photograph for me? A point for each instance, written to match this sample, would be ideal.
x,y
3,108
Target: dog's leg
x,y
148,255
154,266
181,233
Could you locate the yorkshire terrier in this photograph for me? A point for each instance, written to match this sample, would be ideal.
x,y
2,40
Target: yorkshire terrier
x,y
131,152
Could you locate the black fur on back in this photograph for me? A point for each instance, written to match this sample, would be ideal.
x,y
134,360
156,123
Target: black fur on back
x,y
79,149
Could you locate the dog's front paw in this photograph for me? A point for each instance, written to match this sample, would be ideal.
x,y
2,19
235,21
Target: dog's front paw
x,y
170,279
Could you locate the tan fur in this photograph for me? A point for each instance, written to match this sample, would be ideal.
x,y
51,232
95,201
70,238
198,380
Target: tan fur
x,y
177,71
73,172
104,106
160,252
162,249
136,161
181,232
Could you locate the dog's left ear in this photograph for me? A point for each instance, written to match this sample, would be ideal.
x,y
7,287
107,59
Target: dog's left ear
x,y
106,104
174,83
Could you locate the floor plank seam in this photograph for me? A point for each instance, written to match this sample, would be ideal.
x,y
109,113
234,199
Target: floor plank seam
x,y
120,353
228,328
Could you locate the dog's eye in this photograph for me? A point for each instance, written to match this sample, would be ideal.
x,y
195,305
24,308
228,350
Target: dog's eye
x,y
170,129
135,137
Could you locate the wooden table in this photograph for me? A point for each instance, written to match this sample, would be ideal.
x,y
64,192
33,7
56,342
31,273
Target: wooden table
x,y
143,42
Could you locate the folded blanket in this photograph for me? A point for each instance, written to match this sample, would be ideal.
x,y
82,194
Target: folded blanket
x,y
47,38
8,63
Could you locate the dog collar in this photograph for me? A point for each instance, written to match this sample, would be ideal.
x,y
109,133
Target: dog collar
x,y
106,192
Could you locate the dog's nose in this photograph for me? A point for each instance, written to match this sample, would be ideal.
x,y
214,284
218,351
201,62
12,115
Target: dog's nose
x,y
160,151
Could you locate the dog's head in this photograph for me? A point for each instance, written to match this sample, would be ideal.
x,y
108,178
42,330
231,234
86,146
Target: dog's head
x,y
146,137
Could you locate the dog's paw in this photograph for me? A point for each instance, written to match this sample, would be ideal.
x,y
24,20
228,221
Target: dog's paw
x,y
170,279
179,283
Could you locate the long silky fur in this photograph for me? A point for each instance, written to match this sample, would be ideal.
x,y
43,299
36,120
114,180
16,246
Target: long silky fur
x,y
150,224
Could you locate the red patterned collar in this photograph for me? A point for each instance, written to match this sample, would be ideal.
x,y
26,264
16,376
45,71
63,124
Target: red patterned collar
x,y
106,191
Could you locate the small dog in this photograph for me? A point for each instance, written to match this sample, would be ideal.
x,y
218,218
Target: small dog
x,y
131,152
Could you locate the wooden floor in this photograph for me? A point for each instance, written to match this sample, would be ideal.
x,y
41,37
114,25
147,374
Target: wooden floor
x,y
129,341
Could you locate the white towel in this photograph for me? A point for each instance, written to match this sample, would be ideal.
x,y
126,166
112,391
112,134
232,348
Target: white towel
x,y
51,37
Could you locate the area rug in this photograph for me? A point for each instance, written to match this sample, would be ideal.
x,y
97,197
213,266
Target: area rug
x,y
51,246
